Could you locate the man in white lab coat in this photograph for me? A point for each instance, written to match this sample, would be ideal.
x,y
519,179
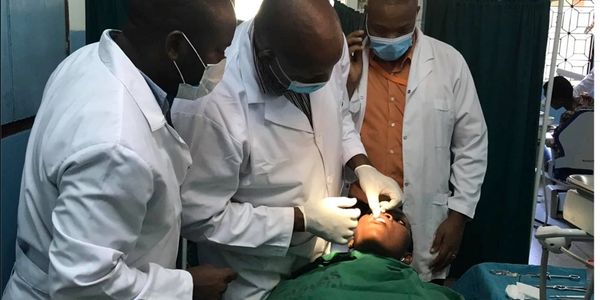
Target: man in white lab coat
x,y
268,146
416,107
99,210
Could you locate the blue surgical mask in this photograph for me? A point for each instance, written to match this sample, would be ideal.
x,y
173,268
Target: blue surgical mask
x,y
292,85
305,88
391,49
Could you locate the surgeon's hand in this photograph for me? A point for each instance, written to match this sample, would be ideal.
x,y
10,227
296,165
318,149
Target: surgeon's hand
x,y
374,184
446,242
331,218
355,47
210,282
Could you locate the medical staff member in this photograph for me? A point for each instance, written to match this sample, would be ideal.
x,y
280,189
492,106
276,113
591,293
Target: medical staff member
x,y
268,146
100,208
417,110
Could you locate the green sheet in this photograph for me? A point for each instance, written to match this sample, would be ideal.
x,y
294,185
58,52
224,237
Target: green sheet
x,y
360,276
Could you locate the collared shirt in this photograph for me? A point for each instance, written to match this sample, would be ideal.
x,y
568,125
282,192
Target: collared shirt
x,y
161,98
269,85
381,132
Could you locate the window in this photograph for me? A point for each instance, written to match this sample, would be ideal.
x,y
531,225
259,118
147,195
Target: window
x,y
576,46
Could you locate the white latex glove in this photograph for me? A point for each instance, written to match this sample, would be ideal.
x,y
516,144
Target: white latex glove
x,y
331,218
373,183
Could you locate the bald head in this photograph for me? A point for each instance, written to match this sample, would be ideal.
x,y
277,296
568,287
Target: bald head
x,y
155,33
304,35
391,18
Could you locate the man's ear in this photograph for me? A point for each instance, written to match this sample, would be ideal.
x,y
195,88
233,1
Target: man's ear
x,y
407,259
174,44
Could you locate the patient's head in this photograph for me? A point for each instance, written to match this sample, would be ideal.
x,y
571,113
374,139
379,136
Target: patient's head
x,y
388,235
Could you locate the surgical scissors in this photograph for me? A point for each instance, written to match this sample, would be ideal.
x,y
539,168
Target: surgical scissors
x,y
573,277
574,288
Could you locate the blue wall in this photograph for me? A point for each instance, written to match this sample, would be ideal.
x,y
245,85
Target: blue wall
x,y
13,157
33,44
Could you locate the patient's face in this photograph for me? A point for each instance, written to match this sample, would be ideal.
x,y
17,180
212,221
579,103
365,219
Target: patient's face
x,y
382,236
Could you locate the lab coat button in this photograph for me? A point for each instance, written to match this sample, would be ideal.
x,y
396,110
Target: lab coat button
x,y
393,124
409,91
406,183
329,179
392,99
405,137
391,151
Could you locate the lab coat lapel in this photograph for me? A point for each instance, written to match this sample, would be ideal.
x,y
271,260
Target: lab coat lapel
x,y
125,71
281,111
422,64
278,110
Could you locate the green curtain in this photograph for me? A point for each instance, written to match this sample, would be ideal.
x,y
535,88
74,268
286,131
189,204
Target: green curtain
x,y
104,14
504,44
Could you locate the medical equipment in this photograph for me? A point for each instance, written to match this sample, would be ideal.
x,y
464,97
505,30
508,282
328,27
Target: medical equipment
x,y
558,240
573,288
504,273
579,202
549,276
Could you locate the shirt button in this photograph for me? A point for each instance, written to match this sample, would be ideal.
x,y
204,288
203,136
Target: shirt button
x,y
391,151
393,124
392,99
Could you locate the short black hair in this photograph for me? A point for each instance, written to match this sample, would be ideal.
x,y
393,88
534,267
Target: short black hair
x,y
164,16
562,88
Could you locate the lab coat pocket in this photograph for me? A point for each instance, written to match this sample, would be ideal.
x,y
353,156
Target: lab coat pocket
x,y
441,199
443,124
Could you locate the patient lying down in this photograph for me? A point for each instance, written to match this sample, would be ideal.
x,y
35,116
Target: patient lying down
x,y
377,267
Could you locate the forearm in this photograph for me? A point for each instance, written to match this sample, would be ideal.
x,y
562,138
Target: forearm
x,y
299,225
457,216
358,160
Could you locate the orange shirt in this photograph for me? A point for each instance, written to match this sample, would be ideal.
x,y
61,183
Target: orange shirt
x,y
381,131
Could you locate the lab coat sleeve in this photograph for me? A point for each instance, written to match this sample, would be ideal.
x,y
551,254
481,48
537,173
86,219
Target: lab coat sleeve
x,y
352,144
210,210
469,145
103,194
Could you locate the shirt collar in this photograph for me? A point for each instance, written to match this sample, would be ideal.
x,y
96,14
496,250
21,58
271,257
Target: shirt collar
x,y
157,91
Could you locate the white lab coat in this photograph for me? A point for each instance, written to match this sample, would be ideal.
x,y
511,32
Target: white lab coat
x,y
255,158
99,212
445,140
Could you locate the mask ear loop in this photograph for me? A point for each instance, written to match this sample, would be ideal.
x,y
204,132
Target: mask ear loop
x,y
179,71
193,48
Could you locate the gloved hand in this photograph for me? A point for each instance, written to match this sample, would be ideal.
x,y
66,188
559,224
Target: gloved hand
x,y
373,183
331,218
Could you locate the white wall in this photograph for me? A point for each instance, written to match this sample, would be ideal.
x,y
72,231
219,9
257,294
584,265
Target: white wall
x,y
77,15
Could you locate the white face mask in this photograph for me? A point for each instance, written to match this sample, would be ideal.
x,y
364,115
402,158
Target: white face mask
x,y
213,73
